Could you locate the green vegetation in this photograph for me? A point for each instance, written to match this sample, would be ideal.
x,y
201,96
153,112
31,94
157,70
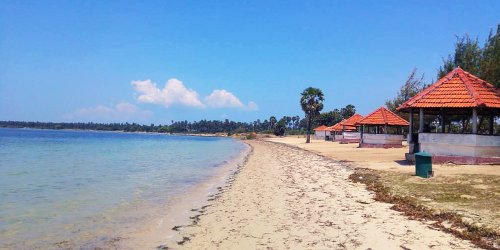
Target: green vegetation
x,y
280,127
410,88
483,62
311,101
291,125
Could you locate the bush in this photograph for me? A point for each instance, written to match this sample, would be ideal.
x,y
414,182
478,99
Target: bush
x,y
251,136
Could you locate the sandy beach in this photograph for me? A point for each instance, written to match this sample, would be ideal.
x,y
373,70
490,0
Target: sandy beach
x,y
285,197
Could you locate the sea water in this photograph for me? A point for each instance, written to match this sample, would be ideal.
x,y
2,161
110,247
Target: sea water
x,y
75,189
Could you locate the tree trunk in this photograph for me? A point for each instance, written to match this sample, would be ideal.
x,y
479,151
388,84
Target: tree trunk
x,y
308,137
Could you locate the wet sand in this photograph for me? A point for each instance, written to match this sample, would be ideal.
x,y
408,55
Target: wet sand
x,y
179,211
285,197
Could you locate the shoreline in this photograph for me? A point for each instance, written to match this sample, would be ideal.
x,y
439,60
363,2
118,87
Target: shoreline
x,y
126,132
180,212
279,188
142,220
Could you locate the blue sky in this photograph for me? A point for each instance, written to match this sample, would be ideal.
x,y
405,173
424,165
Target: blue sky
x,y
242,60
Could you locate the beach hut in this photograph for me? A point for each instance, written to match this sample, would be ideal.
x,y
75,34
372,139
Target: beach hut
x,y
350,133
321,132
457,120
336,131
382,129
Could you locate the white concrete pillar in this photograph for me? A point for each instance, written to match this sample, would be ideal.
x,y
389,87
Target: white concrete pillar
x,y
362,132
410,130
474,121
421,121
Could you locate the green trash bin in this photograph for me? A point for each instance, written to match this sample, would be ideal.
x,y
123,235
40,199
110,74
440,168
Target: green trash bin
x,y
423,165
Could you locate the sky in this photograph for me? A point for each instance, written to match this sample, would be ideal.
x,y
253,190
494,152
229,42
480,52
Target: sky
x,y
158,61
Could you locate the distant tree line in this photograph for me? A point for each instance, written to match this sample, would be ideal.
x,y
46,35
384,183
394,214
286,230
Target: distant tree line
x,y
292,125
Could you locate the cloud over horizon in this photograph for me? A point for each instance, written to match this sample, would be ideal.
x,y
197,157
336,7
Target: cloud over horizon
x,y
175,92
121,112
221,98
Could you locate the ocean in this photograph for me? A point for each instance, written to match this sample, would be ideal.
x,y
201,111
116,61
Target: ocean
x,y
82,189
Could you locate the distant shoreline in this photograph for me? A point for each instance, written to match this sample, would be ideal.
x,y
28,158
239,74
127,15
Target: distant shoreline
x,y
123,131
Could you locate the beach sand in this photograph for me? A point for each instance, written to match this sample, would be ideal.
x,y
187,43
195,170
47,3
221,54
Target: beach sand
x,y
288,198
391,159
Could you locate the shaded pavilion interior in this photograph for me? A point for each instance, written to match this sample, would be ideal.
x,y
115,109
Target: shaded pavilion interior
x,y
382,129
458,120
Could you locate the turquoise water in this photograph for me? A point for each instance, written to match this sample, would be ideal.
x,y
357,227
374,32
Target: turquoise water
x,y
77,188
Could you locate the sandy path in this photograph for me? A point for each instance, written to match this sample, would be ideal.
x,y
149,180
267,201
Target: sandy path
x,y
289,198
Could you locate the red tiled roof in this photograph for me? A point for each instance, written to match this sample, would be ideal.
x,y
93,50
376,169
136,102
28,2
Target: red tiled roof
x,y
351,121
337,127
383,116
458,89
321,128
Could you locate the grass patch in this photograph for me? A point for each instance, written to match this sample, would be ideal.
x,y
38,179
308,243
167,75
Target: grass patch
x,y
439,199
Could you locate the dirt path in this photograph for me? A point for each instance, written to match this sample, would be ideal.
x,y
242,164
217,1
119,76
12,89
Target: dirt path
x,y
289,198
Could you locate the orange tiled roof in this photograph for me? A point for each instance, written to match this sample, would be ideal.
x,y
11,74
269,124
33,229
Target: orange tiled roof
x,y
351,121
337,127
383,116
458,89
321,128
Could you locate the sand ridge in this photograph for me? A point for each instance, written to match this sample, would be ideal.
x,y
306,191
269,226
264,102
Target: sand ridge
x,y
285,197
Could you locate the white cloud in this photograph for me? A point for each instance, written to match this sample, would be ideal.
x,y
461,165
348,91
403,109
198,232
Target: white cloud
x,y
121,112
174,92
221,98
252,106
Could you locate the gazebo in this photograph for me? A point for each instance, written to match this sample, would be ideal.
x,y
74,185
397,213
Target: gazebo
x,y
321,132
350,133
458,120
336,131
382,129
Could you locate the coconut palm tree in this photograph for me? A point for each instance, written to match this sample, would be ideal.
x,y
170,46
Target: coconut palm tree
x,y
311,101
273,122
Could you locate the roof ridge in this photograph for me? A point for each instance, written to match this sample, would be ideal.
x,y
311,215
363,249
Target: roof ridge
x,y
470,89
397,116
368,115
383,115
429,89
352,117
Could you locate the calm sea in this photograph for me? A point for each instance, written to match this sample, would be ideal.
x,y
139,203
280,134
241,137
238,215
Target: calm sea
x,y
79,188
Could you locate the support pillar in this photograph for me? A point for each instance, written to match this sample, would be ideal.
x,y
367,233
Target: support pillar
x,y
474,121
491,124
362,130
421,121
410,130
443,125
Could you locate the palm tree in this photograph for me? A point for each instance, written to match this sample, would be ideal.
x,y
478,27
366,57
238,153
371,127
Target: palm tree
x,y
273,122
311,101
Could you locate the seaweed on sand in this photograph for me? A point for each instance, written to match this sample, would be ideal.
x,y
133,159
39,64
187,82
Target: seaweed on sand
x,y
481,237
